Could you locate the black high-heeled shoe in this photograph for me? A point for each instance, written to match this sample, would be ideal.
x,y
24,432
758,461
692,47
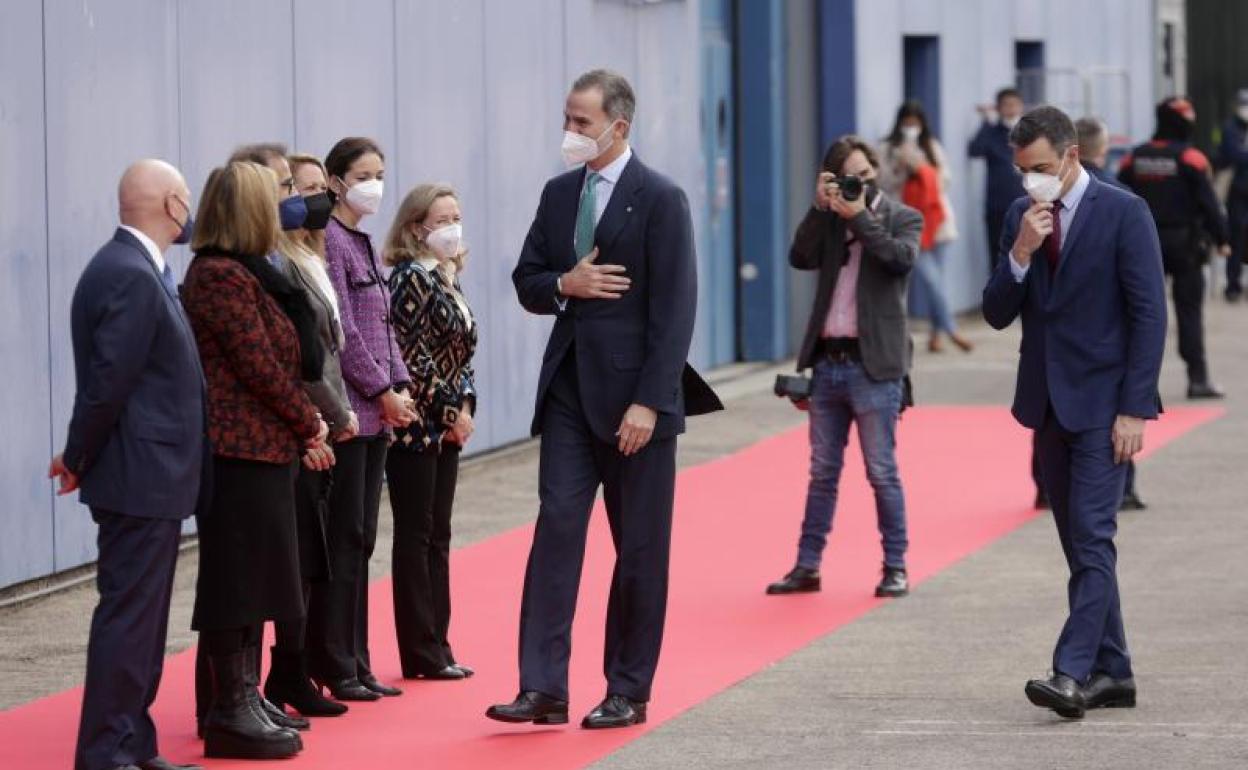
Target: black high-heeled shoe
x,y
370,682
447,674
346,689
288,683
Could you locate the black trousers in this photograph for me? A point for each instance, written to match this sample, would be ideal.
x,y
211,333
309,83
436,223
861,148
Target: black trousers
x,y
1237,216
337,630
126,651
1187,286
422,496
638,492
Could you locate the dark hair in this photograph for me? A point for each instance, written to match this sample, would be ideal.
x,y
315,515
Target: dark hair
x,y
840,150
1007,92
1172,124
913,109
345,153
618,100
1045,123
261,152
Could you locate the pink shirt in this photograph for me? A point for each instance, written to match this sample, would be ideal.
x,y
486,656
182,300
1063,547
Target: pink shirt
x,y
842,320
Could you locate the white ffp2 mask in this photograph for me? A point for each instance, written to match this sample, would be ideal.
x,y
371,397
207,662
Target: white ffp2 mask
x,y
365,197
578,148
444,242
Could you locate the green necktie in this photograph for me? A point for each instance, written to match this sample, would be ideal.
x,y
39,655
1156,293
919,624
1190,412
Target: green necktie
x,y
583,240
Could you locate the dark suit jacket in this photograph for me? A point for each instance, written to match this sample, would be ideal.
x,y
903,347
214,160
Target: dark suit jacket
x,y
890,239
1093,332
136,438
628,350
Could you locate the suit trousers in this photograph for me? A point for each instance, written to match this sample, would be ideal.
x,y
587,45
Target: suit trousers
x,y
1237,218
638,492
422,495
1085,488
126,651
337,630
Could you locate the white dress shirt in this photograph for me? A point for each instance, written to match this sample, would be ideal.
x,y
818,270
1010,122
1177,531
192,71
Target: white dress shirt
x,y
1070,202
152,251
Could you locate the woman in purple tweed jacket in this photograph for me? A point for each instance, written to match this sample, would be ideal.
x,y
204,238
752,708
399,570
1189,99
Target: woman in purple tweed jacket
x,y
377,381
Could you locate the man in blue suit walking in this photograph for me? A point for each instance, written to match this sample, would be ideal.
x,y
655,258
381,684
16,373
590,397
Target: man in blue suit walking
x,y
136,447
1083,271
610,254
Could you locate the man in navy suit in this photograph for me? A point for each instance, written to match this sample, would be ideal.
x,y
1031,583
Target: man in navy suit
x,y
610,254
1083,271
136,447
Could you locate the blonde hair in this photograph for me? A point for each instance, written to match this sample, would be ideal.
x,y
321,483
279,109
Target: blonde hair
x,y
402,245
238,210
312,240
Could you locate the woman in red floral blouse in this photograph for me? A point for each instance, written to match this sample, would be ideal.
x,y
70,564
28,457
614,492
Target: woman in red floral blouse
x,y
256,338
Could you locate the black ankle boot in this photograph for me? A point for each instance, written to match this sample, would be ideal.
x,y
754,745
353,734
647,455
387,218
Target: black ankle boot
x,y
265,710
232,729
288,684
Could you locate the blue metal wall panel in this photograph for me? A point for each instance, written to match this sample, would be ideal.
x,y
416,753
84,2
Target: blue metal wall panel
x,y
25,496
345,79
762,179
838,109
523,120
235,83
109,101
470,92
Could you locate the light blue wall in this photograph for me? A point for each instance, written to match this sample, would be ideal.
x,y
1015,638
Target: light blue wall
x,y
469,92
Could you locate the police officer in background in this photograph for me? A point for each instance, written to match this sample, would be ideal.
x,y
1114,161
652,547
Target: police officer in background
x,y
1174,178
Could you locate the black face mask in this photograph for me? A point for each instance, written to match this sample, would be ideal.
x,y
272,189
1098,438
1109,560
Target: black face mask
x,y
319,208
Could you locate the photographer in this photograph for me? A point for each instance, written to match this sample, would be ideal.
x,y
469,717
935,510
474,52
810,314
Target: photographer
x,y
864,245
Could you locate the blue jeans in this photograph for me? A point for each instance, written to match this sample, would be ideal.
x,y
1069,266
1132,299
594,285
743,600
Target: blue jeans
x,y
841,394
929,274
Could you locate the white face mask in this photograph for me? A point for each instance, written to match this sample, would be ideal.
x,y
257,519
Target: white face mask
x,y
910,133
1010,122
578,148
444,242
1242,112
365,197
1044,188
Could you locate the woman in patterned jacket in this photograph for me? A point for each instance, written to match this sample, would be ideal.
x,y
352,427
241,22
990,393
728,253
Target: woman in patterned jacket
x,y
438,336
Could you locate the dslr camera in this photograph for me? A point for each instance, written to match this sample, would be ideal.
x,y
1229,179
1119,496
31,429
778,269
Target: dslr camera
x,y
851,186
795,387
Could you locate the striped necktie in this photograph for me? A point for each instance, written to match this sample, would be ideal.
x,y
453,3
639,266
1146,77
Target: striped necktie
x,y
583,240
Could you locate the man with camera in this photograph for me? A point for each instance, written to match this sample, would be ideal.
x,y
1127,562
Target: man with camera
x,y
864,245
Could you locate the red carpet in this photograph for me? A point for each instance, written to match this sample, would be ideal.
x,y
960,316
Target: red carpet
x,y
967,483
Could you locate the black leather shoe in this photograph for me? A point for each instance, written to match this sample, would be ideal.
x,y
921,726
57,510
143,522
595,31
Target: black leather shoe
x,y
615,711
160,763
799,581
894,584
450,673
1132,502
530,706
1198,391
1060,693
1042,501
370,681
347,689
467,671
1103,691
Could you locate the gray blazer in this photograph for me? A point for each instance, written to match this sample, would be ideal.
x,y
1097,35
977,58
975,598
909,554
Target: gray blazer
x,y
330,392
890,238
